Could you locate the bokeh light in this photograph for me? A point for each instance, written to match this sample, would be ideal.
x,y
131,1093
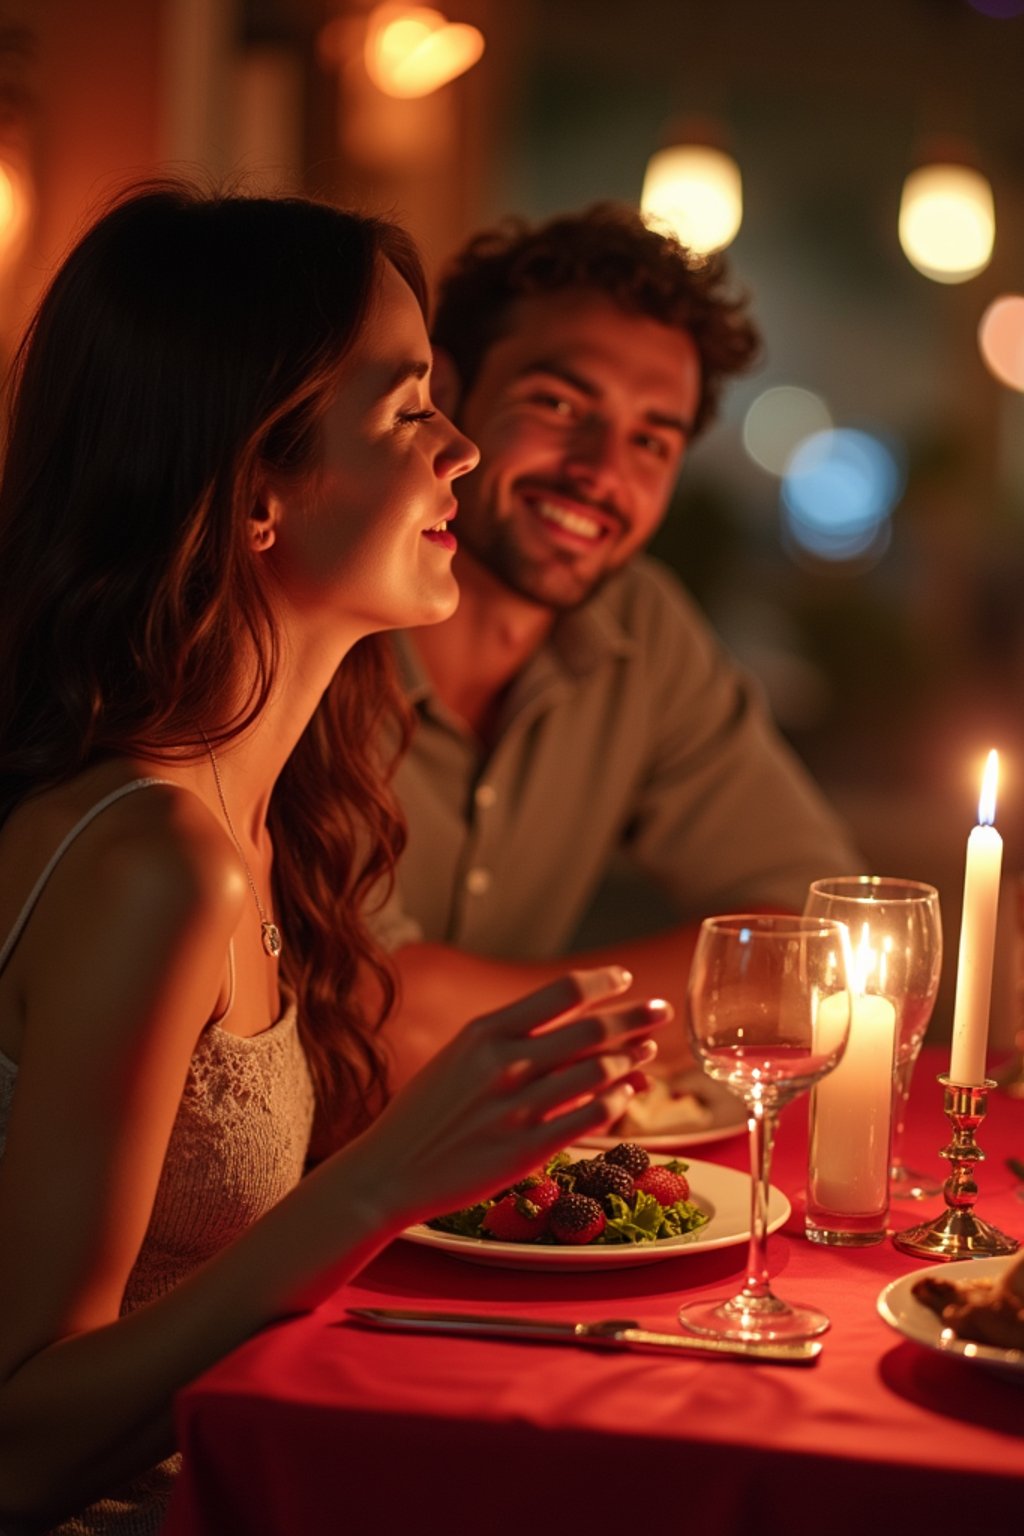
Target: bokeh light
x,y
838,494
698,192
778,421
947,222
413,50
1001,339
13,208
1000,8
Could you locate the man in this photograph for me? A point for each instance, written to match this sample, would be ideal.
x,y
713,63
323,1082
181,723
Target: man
x,y
576,706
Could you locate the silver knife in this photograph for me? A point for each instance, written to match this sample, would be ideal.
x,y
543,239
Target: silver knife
x,y
615,1333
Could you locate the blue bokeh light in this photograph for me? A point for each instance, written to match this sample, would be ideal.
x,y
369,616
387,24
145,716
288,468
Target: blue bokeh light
x,y
838,493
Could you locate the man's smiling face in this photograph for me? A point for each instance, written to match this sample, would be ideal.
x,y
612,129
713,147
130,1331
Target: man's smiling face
x,y
582,412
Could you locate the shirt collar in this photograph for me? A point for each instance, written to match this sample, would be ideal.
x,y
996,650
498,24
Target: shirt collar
x,y
580,642
587,637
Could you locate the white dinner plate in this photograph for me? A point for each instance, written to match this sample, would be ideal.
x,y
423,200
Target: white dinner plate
x,y
722,1192
901,1309
720,1115
677,1141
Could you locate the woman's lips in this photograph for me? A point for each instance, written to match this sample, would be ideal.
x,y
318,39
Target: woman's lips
x,y
441,533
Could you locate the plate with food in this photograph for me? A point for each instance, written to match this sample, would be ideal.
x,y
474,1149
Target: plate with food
x,y
604,1211
685,1109
973,1309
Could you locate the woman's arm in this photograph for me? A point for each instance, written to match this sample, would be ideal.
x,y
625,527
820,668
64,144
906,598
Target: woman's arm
x,y
118,971
85,1395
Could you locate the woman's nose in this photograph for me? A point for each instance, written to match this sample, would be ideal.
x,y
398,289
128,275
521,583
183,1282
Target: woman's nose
x,y
460,455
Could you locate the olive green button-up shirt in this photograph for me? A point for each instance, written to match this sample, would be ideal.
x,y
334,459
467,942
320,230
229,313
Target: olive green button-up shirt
x,y
630,732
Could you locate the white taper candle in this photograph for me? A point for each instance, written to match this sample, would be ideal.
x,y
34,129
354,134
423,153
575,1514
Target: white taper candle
x,y
977,938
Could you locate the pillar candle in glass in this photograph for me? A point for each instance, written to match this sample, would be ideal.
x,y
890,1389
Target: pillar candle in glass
x,y
850,1128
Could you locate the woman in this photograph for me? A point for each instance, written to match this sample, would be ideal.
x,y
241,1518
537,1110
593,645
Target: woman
x,y
223,473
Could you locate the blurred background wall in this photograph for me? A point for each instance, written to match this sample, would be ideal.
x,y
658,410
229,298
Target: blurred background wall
x,y
892,644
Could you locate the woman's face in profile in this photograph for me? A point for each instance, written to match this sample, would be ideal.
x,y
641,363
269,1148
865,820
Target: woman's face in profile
x,y
365,538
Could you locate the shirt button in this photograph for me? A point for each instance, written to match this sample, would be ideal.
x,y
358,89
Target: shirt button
x,y
484,796
478,881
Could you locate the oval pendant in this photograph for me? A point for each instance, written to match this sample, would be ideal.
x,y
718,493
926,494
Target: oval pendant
x,y
271,938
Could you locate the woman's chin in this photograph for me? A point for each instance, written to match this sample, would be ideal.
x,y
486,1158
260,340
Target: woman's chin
x,y
435,608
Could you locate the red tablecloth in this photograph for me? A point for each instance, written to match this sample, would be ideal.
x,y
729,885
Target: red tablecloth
x,y
314,1427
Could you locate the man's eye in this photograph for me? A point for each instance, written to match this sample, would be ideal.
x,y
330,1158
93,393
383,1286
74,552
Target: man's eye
x,y
556,403
657,446
409,417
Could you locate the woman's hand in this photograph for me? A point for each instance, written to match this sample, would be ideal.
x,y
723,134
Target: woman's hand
x,y
511,1089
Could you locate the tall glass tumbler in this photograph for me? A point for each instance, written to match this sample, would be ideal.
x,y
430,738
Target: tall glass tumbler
x,y
899,920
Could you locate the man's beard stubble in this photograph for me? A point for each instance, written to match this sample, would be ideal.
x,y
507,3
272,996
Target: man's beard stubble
x,y
501,556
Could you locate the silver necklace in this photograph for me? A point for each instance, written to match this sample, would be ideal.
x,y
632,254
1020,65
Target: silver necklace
x,y
269,931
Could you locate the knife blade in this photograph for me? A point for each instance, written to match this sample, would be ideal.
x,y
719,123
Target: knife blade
x,y
612,1333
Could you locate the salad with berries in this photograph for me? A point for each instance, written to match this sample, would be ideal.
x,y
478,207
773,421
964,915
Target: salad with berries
x,y
619,1196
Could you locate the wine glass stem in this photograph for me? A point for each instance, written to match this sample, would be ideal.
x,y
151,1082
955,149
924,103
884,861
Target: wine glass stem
x,y
761,1123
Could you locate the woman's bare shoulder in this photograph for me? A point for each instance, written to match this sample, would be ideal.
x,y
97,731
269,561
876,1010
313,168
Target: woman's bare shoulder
x,y
156,854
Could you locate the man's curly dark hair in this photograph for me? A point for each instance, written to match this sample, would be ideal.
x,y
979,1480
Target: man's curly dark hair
x,y
607,248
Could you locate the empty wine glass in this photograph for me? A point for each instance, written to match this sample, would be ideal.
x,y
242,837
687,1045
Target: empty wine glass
x,y
902,917
1010,1075
769,1009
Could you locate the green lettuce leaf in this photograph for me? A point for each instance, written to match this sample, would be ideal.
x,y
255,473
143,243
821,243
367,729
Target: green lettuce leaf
x,y
465,1223
638,1223
682,1216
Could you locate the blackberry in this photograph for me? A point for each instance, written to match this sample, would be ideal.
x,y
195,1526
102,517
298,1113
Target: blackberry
x,y
568,1173
598,1178
575,1219
631,1156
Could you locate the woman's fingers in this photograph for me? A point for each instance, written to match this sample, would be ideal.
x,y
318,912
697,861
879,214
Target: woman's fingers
x,y
587,1119
556,1001
593,1035
587,1077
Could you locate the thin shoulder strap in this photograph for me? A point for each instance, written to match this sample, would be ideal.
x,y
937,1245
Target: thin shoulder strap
x,y
40,885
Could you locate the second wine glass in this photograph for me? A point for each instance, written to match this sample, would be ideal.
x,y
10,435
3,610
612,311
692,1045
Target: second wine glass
x,y
902,918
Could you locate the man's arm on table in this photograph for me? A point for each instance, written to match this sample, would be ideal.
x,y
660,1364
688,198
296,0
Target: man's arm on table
x,y
441,988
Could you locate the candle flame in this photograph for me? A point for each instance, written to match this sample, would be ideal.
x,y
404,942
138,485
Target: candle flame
x,y
987,802
869,966
865,963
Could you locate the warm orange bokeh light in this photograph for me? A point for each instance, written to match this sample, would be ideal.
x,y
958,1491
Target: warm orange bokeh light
x,y
12,207
413,50
1001,339
947,222
697,191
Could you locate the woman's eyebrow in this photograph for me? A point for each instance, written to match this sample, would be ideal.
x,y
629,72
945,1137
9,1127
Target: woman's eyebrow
x,y
412,368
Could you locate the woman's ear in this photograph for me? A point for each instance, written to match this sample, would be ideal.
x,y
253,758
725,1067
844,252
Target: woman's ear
x,y
263,521
445,384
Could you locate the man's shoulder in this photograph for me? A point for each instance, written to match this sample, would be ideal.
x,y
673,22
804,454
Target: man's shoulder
x,y
649,602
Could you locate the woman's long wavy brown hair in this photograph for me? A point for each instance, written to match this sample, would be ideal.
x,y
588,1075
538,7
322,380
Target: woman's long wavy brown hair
x,y
189,346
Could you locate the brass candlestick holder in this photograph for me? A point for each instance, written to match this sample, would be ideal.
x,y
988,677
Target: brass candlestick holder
x,y
958,1233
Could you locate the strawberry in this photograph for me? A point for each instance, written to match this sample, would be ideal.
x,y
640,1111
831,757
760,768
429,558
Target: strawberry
x,y
539,1189
575,1219
515,1219
665,1186
631,1156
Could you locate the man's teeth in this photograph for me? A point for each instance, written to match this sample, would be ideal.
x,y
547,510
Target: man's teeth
x,y
573,522
439,528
